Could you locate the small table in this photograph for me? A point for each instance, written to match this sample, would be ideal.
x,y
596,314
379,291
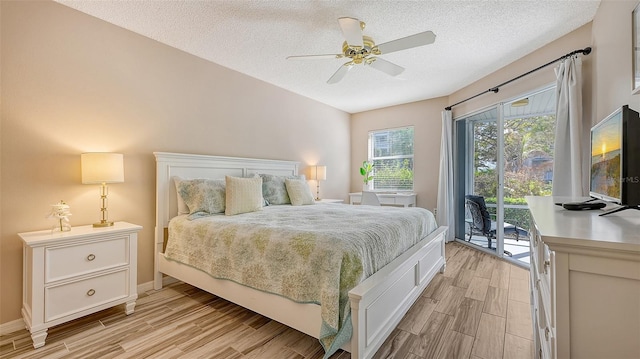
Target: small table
x,y
405,199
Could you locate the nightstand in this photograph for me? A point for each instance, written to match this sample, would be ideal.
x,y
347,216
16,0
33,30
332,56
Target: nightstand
x,y
328,200
67,275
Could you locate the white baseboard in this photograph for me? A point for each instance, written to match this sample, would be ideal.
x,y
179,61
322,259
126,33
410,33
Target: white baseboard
x,y
18,324
12,326
166,280
145,287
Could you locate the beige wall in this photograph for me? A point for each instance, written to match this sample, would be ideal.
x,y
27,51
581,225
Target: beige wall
x,y
612,63
426,118
72,83
578,39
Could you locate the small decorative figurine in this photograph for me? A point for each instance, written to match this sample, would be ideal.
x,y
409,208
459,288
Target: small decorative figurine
x,y
61,212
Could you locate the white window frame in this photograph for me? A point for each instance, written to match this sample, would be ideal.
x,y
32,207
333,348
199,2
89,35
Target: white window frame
x,y
371,158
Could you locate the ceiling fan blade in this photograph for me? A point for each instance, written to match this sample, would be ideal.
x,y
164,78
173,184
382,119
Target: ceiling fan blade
x,y
315,57
385,66
420,39
340,73
351,31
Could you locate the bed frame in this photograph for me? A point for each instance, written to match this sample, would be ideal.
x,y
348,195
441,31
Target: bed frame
x,y
377,304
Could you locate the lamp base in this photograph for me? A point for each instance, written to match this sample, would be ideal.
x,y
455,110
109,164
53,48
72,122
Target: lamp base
x,y
102,224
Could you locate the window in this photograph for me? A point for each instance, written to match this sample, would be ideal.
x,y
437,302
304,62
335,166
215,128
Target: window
x,y
391,152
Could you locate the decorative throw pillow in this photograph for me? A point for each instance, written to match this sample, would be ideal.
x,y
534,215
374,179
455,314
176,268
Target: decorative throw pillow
x,y
243,195
299,192
203,197
182,207
274,190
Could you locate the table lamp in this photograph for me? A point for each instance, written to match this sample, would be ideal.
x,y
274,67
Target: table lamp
x,y
318,173
102,168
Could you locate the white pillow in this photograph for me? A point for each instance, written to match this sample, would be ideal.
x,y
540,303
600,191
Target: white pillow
x,y
299,192
243,195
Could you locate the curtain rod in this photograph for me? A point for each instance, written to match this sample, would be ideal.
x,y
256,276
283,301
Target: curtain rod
x,y
585,51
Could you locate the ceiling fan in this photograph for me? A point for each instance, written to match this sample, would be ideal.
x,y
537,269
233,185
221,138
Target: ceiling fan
x,y
362,49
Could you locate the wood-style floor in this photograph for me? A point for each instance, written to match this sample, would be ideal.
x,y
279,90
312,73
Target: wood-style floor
x,y
479,308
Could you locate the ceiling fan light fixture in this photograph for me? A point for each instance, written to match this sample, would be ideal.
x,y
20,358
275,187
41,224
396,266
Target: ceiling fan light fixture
x,y
361,49
353,51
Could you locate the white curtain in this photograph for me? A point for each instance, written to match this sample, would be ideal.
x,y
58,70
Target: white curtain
x,y
568,176
445,212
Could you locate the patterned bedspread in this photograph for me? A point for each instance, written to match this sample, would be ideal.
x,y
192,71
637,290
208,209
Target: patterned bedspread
x,y
309,254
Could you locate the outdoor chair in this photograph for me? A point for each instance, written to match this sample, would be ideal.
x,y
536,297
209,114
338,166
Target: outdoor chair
x,y
481,223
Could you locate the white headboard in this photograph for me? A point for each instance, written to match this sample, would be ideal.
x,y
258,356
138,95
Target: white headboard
x,y
169,165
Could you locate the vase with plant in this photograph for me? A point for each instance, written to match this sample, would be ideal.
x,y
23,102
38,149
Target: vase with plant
x,y
60,211
367,177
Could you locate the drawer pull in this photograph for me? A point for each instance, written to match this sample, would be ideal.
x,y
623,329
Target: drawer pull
x,y
546,333
546,266
91,292
91,257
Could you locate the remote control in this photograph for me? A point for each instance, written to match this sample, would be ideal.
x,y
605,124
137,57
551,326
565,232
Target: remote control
x,y
579,206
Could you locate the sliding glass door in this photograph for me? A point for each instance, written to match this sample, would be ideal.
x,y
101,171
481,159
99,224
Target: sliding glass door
x,y
479,188
529,133
503,154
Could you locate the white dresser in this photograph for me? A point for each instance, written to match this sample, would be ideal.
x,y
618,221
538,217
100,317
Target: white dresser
x,y
67,275
328,200
585,281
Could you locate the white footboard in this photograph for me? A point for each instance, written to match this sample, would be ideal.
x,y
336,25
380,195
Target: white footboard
x,y
379,303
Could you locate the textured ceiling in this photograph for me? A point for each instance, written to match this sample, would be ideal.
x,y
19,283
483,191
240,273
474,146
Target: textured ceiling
x,y
474,39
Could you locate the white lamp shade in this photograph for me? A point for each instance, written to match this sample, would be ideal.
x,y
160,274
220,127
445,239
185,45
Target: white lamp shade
x,y
318,173
101,167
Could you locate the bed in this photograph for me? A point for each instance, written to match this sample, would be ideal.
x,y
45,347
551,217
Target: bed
x,y
376,304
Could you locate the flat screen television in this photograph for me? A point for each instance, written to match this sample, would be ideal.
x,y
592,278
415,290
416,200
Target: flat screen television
x,y
615,160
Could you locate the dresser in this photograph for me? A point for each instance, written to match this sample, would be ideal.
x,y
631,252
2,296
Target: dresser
x,y
67,275
585,281
405,199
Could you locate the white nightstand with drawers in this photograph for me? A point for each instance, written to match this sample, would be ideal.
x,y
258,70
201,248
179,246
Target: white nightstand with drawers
x,y
67,275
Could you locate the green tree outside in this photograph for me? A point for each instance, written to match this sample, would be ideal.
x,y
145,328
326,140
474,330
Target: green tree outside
x,y
528,155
